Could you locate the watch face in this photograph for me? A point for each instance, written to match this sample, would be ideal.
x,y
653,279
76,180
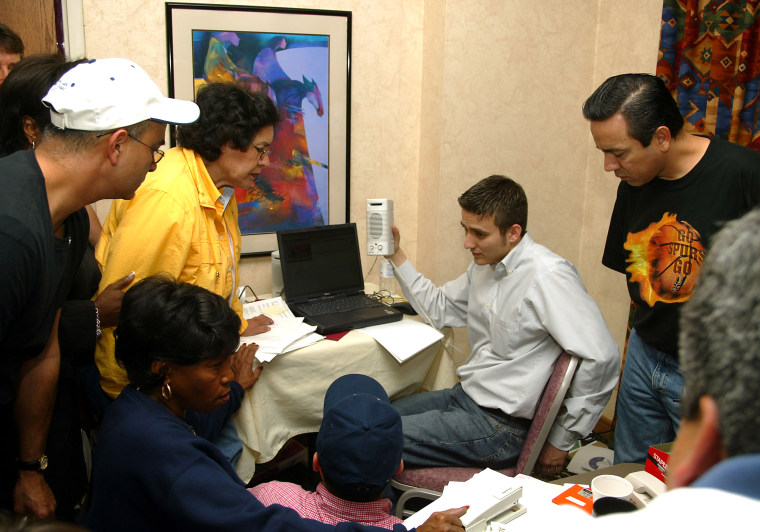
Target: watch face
x,y
43,462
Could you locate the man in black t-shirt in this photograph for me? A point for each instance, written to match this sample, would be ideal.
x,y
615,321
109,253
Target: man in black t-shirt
x,y
108,122
676,190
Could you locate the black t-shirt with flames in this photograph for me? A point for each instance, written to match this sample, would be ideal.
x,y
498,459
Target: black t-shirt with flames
x,y
660,232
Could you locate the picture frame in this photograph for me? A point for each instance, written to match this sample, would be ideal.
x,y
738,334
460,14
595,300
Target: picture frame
x,y
301,58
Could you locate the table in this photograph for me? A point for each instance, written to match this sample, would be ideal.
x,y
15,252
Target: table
x,y
585,479
287,399
543,514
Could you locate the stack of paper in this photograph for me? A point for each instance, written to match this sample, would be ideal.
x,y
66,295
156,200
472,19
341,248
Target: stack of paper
x,y
490,495
403,339
287,333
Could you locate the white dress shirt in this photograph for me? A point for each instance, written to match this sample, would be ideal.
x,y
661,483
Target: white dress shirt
x,y
520,314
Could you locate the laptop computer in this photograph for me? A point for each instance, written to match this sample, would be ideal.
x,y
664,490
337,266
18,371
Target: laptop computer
x,y
323,282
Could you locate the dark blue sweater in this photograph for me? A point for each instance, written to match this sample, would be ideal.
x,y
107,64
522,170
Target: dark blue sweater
x,y
152,473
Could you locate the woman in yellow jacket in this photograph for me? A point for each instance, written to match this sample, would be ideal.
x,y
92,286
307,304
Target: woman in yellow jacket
x,y
183,218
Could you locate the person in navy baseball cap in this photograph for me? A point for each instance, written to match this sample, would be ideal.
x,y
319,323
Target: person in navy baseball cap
x,y
360,441
359,448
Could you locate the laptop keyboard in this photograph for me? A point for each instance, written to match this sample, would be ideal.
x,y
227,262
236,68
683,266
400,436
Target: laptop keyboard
x,y
343,304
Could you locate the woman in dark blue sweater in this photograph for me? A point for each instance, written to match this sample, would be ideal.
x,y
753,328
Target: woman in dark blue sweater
x,y
155,468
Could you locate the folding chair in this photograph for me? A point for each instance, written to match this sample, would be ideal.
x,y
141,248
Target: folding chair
x,y
428,482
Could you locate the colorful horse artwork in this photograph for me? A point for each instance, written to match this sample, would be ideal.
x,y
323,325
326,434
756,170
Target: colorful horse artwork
x,y
286,194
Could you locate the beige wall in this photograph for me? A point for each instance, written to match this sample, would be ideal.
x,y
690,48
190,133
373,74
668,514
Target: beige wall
x,y
446,92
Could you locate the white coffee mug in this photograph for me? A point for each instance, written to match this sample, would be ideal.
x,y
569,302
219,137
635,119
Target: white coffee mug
x,y
611,486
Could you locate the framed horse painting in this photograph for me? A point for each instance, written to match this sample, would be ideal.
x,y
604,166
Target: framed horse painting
x,y
299,58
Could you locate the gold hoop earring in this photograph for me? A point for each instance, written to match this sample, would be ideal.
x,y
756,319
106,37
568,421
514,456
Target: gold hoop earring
x,y
166,391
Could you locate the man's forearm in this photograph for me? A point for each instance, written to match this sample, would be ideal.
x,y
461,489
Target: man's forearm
x,y
37,385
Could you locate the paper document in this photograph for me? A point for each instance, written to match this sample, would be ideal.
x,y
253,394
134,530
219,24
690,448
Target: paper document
x,y
287,333
274,307
403,339
488,493
309,339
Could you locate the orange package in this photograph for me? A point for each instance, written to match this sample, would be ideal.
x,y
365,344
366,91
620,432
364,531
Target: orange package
x,y
577,496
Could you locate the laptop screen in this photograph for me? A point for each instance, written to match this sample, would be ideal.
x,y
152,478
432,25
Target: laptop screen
x,y
320,261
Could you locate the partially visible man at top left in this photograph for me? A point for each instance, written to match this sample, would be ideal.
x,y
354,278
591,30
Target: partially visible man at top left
x,y
108,124
11,50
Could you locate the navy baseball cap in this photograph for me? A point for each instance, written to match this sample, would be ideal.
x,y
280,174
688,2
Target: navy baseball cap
x,y
360,440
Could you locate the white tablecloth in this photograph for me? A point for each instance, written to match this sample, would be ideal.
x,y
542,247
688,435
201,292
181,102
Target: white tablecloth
x,y
287,399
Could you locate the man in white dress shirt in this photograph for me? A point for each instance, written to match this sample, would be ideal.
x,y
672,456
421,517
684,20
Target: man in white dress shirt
x,y
522,305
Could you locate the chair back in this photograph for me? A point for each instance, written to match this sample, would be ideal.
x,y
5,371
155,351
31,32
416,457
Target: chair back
x,y
548,408
435,478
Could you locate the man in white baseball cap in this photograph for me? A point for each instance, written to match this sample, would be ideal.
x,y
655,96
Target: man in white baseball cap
x,y
111,93
108,124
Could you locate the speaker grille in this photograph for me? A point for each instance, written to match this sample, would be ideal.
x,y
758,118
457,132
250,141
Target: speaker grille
x,y
376,225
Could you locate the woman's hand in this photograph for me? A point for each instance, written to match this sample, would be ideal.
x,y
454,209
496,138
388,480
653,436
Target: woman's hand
x,y
242,366
259,324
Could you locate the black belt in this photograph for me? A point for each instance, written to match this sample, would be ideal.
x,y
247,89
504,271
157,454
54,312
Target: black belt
x,y
512,419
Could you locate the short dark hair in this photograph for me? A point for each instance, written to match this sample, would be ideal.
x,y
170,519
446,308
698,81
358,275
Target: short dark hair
x,y
644,101
163,319
10,42
720,336
21,95
72,141
229,113
500,197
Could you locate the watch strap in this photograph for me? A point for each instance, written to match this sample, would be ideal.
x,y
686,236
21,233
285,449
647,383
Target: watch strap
x,y
37,465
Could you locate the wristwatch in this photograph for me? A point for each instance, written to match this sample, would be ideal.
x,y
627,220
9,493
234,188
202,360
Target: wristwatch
x,y
37,465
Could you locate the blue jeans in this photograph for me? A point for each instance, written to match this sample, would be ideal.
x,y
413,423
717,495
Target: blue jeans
x,y
649,401
447,428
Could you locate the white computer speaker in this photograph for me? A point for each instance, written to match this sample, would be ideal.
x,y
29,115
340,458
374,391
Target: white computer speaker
x,y
379,223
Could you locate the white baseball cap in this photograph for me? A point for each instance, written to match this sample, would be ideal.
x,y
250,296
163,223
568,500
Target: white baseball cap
x,y
111,93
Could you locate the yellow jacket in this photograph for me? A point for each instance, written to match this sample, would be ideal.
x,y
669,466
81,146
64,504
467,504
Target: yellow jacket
x,y
173,225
